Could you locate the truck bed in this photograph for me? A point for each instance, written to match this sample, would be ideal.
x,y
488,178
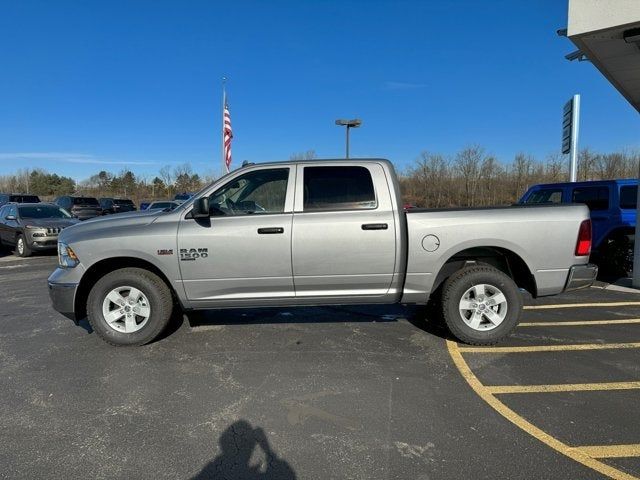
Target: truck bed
x,y
542,236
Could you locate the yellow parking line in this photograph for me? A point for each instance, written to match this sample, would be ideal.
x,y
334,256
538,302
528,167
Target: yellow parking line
x,y
550,348
513,417
565,387
580,322
578,305
611,451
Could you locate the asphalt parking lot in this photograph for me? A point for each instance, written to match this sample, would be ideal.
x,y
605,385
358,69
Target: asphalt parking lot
x,y
357,392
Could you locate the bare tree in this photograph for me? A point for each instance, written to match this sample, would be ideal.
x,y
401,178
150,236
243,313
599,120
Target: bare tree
x,y
166,174
308,155
468,165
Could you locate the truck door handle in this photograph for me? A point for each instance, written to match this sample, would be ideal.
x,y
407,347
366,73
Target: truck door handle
x,y
374,226
270,230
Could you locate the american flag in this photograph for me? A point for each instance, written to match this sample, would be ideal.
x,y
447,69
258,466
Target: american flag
x,y
227,135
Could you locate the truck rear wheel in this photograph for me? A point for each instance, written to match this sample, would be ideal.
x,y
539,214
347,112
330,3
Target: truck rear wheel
x,y
130,306
481,305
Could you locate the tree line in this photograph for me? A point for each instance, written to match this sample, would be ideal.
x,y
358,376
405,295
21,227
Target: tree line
x,y
125,184
471,177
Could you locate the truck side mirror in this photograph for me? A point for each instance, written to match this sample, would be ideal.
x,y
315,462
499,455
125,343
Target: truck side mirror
x,y
201,208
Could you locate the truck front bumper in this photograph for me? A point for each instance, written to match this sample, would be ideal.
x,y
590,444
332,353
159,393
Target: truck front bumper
x,y
63,297
581,276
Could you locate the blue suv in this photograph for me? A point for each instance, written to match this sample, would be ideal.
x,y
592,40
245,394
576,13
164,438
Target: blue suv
x,y
613,216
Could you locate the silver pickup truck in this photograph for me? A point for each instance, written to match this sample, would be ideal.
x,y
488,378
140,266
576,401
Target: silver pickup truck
x,y
317,233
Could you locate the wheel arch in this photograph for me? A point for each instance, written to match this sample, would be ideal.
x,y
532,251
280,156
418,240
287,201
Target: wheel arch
x,y
616,231
107,265
505,260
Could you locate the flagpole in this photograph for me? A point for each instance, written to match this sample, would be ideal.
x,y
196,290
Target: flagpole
x,y
224,101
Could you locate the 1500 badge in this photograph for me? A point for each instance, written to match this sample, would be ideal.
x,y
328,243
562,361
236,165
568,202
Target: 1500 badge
x,y
193,253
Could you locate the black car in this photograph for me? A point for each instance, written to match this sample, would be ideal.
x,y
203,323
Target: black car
x,y
18,198
116,205
80,207
32,226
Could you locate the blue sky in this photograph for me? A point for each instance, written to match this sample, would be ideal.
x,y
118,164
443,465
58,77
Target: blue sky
x,y
106,85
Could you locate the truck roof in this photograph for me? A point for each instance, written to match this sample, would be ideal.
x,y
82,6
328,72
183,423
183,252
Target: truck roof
x,y
590,183
318,160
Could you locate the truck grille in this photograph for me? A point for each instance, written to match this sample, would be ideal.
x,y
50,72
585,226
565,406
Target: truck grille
x,y
53,230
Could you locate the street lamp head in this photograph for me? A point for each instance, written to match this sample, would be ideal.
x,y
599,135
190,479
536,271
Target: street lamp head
x,y
354,123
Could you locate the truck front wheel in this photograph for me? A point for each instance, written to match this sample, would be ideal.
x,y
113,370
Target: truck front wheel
x,y
481,305
129,306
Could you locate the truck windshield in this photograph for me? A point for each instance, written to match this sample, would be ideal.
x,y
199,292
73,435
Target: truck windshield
x,y
85,201
546,195
42,211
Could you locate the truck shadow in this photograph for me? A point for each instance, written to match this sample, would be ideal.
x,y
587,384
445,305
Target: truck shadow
x,y
424,318
245,454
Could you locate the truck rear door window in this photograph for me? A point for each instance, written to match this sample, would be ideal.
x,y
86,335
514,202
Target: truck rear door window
x,y
629,196
338,188
545,195
596,198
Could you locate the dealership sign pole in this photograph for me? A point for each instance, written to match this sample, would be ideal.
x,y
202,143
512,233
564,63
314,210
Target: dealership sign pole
x,y
570,124
635,281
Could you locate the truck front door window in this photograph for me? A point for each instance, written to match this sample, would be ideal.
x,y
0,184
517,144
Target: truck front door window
x,y
257,192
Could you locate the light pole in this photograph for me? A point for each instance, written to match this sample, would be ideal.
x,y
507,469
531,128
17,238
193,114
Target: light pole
x,y
355,123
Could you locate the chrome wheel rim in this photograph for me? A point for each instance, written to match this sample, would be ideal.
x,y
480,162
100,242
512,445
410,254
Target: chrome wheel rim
x,y
20,246
483,307
126,309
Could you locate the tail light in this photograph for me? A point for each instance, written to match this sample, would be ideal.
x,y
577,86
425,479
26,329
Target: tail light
x,y
583,246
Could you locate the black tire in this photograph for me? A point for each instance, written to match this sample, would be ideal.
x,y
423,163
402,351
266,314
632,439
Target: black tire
x,y
154,289
22,247
459,283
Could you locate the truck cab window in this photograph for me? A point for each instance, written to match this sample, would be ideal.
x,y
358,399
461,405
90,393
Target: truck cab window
x,y
338,188
629,196
596,198
257,192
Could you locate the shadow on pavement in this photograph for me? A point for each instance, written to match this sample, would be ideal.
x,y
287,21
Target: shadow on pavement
x,y
425,318
237,445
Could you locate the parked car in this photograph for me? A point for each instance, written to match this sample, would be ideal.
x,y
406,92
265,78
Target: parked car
x,y
80,207
32,226
18,198
612,204
116,205
182,197
144,205
318,233
163,205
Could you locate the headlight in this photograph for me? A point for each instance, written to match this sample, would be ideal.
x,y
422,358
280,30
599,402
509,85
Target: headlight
x,y
66,256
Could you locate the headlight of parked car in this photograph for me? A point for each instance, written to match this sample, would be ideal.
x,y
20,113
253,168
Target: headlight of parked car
x,y
66,256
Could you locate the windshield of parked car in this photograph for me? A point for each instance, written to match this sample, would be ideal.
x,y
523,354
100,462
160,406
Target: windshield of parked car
x,y
85,201
155,205
42,211
25,198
